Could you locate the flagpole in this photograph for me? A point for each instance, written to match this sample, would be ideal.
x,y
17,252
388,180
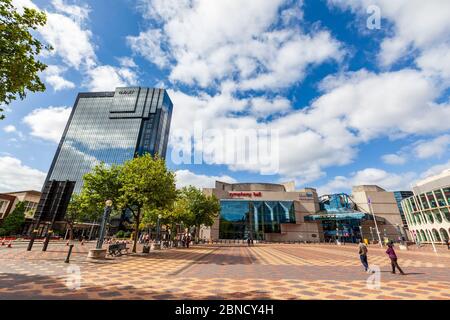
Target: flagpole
x,y
375,221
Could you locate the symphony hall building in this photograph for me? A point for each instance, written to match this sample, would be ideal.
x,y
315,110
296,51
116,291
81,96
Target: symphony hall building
x,y
264,211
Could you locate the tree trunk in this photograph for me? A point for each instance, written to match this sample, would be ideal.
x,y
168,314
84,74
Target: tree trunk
x,y
70,231
136,230
197,233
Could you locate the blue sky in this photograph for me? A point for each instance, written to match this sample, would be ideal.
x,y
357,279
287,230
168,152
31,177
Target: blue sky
x,y
350,104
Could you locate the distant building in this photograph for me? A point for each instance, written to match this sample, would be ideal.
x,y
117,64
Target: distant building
x,y
264,211
383,204
427,212
399,197
8,202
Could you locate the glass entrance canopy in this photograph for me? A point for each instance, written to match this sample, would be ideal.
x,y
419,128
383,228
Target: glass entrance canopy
x,y
243,219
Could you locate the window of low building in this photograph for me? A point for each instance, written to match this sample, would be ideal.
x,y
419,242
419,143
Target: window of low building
x,y
440,198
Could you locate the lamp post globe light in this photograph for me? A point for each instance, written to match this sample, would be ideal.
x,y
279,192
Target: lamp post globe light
x,y
99,252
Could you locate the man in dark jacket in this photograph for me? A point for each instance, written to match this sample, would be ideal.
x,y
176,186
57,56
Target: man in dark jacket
x,y
391,253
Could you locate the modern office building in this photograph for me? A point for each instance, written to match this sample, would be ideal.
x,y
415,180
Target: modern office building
x,y
108,127
112,127
427,212
264,211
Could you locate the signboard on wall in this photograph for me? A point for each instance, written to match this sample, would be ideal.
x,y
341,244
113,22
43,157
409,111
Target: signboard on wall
x,y
245,194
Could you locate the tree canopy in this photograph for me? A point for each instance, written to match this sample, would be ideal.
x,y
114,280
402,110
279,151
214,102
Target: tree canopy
x,y
19,69
80,210
146,188
145,184
14,221
202,209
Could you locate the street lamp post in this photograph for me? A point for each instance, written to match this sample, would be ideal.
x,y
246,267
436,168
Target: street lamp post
x,y
400,235
371,232
106,214
158,238
99,252
375,221
337,234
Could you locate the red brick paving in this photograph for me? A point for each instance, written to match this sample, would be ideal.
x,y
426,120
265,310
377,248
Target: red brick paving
x,y
212,272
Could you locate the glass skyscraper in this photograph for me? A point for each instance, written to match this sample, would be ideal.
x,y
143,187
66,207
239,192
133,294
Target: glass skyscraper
x,y
112,127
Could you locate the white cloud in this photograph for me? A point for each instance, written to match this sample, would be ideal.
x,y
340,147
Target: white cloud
x,y
48,123
354,108
127,62
386,104
370,176
436,169
436,147
187,178
20,4
107,78
212,41
436,61
148,45
78,12
417,24
9,129
262,106
14,176
53,76
70,39
394,159
67,33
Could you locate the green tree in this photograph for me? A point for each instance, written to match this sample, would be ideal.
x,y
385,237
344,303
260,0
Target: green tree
x,y
79,210
14,221
203,209
101,184
19,69
146,184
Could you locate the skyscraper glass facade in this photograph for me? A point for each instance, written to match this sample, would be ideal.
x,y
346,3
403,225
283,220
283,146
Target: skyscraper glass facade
x,y
112,127
243,219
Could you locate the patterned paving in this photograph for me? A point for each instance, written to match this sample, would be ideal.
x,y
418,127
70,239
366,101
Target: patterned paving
x,y
222,272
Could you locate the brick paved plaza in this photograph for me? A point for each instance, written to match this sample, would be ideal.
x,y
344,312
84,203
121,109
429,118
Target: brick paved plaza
x,y
283,271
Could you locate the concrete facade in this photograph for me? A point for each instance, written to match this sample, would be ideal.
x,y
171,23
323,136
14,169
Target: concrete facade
x,y
383,205
305,201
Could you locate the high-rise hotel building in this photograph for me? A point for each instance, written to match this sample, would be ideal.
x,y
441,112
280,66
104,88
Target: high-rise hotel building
x,y
112,127
109,127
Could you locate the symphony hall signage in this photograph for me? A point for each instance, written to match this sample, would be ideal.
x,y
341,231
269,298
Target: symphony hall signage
x,y
245,194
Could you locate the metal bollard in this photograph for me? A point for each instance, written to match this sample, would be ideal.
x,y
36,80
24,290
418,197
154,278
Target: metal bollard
x,y
69,253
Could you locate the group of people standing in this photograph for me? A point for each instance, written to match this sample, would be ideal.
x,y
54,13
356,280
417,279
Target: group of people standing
x,y
390,252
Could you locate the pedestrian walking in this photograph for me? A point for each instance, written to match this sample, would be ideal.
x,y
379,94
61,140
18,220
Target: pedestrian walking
x,y
188,240
249,242
363,255
448,244
391,253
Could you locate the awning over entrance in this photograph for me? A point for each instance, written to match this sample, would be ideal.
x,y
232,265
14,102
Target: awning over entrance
x,y
336,216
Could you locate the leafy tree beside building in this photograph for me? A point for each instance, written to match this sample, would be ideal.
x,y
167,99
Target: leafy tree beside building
x,y
19,68
14,222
